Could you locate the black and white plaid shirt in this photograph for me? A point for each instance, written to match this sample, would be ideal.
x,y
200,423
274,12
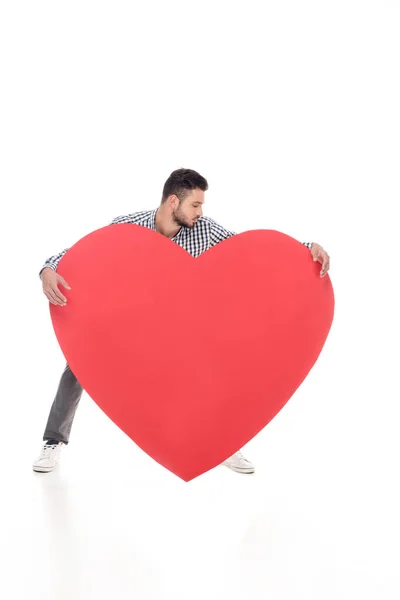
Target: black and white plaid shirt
x,y
205,234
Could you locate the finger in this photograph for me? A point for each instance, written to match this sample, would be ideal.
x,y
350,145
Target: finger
x,y
49,298
52,298
326,263
325,268
58,294
64,283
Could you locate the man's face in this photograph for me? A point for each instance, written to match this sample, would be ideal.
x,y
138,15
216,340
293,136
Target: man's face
x,y
187,213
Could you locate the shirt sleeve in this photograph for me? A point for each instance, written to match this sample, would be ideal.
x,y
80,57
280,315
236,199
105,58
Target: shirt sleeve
x,y
219,234
52,262
122,219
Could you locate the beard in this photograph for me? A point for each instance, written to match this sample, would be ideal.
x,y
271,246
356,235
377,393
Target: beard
x,y
181,220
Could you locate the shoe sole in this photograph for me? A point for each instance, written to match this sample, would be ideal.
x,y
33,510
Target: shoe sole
x,y
44,469
243,471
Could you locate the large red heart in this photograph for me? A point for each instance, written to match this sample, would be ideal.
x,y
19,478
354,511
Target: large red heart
x,y
191,357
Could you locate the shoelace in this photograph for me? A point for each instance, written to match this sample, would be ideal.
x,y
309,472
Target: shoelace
x,y
47,447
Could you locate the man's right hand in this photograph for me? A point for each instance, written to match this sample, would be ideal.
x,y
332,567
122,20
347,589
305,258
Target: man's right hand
x,y
51,280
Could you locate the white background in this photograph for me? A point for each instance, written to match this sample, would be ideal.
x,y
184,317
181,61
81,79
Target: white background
x,y
291,111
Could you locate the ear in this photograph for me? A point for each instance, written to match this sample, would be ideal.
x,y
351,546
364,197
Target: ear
x,y
174,201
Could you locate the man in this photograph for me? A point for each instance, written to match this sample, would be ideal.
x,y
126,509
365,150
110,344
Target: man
x,y
180,218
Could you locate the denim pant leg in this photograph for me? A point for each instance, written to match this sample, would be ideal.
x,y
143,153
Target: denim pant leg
x,y
64,407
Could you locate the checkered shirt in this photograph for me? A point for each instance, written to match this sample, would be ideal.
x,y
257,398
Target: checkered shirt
x,y
205,234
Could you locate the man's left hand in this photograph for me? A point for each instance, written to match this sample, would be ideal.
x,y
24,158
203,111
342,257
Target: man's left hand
x,y
320,255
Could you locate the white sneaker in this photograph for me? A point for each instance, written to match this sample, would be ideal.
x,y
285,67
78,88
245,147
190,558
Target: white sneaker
x,y
237,462
48,459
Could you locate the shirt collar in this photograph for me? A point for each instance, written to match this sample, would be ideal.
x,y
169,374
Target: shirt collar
x,y
153,219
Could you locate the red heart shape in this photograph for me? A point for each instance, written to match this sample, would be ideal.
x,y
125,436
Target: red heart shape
x,y
191,357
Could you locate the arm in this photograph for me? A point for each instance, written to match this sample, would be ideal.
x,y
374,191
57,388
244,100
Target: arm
x,y
52,262
219,233
51,279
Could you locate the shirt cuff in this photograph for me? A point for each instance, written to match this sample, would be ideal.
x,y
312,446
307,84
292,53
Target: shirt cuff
x,y
49,266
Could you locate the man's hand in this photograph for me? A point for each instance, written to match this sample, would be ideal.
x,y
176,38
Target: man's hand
x,y
51,281
320,255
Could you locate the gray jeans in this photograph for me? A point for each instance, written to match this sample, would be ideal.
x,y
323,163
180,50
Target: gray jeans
x,y
64,407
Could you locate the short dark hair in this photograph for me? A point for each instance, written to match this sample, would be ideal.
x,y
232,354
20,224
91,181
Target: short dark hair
x,y
181,182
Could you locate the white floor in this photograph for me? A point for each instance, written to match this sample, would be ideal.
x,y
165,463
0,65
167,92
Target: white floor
x,y
290,109
319,519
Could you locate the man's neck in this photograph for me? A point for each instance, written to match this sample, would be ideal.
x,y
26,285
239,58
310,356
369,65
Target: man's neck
x,y
165,224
